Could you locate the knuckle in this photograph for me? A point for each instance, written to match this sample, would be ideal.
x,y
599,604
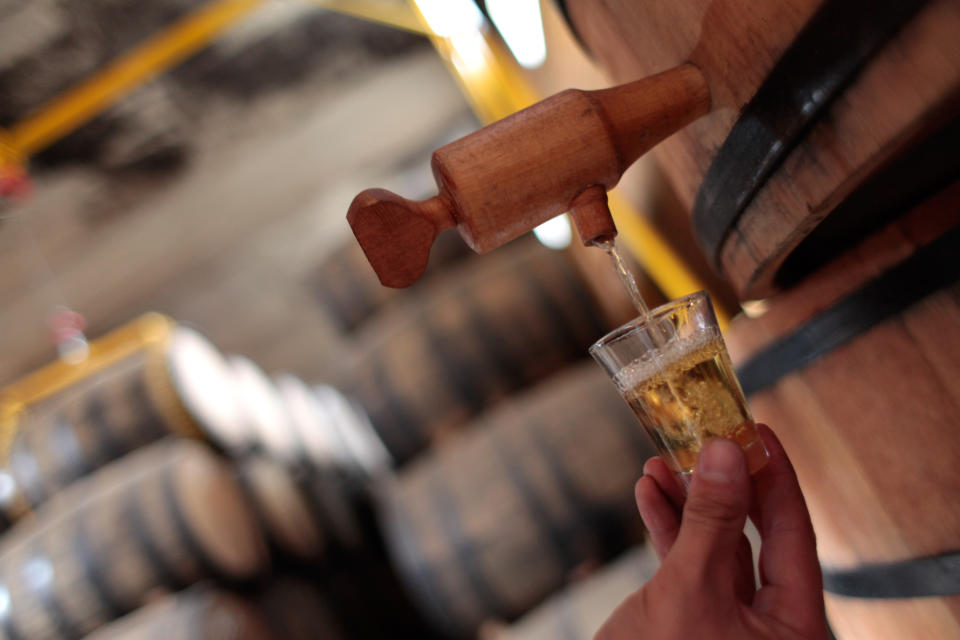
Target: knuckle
x,y
719,512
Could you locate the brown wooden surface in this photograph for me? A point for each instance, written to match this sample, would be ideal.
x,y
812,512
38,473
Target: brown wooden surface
x,y
297,609
497,520
503,180
284,608
119,409
199,613
871,425
83,427
287,516
735,43
481,334
160,519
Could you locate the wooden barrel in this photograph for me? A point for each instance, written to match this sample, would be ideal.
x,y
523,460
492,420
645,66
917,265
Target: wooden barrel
x,y
827,117
856,368
160,519
264,411
515,318
321,440
349,292
332,430
577,612
494,522
172,381
288,516
199,613
298,609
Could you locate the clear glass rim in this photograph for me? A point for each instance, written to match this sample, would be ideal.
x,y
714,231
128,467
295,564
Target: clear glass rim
x,y
656,314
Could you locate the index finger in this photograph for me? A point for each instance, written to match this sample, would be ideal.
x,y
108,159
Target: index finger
x,y
788,555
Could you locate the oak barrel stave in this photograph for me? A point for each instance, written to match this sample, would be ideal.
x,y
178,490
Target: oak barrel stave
x,y
299,609
199,613
285,607
83,428
869,422
291,519
161,519
494,522
509,322
171,384
905,93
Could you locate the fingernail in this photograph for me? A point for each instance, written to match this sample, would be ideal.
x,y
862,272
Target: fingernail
x,y
721,461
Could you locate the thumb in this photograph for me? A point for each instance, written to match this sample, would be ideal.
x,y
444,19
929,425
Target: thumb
x,y
716,507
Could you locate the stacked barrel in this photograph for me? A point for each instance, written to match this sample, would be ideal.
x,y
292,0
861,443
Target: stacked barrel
x,y
465,465
159,465
825,181
514,458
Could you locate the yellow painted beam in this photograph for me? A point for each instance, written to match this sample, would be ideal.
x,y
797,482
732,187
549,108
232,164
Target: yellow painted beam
x,y
388,12
9,155
148,329
80,104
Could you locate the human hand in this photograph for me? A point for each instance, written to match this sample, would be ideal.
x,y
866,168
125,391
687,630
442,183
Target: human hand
x,y
705,585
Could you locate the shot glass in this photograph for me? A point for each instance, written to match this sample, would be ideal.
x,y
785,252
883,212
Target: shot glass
x,y
673,369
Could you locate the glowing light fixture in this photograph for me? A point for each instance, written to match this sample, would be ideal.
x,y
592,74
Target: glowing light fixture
x,y
521,25
470,53
555,233
448,18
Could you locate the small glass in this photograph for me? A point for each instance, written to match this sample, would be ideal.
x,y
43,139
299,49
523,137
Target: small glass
x,y
673,370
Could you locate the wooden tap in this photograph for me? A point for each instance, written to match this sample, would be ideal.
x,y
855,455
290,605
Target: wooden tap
x,y
561,154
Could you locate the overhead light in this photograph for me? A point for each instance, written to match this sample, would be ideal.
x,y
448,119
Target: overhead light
x,y
469,52
448,18
521,25
555,233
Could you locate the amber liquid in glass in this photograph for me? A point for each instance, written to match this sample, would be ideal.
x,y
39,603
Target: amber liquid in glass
x,y
687,394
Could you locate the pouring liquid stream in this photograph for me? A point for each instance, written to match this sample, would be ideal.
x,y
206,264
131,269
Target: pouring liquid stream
x,y
660,334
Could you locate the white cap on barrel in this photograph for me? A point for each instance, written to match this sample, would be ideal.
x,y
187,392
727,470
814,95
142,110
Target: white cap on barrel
x,y
365,446
265,410
322,442
205,385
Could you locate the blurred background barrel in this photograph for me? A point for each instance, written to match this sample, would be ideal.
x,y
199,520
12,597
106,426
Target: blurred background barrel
x,y
317,425
513,319
577,612
349,292
308,513
291,520
284,608
297,609
539,488
161,519
859,103
264,412
199,613
153,379
856,368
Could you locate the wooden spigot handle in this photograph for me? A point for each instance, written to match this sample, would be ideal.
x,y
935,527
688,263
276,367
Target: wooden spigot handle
x,y
561,154
396,234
